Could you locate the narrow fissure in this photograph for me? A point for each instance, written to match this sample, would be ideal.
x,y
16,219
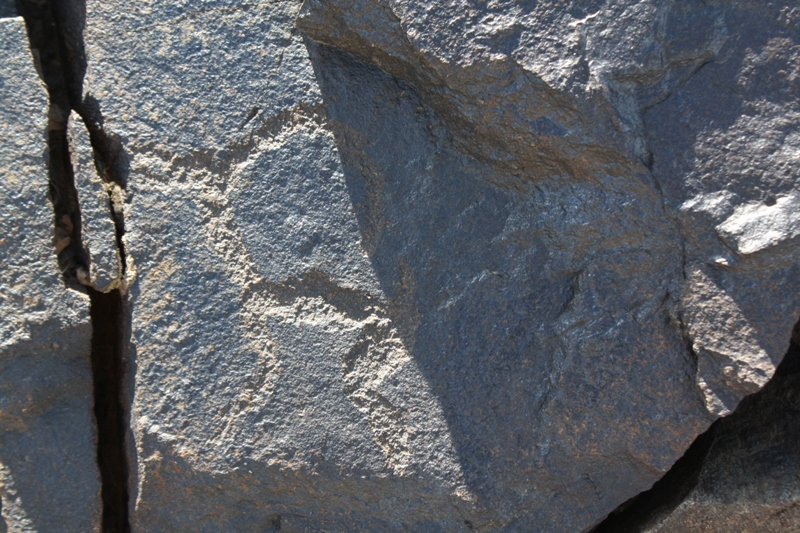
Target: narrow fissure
x,y
108,315
665,495
54,33
41,28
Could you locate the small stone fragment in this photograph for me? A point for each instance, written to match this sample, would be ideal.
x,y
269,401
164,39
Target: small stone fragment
x,y
97,226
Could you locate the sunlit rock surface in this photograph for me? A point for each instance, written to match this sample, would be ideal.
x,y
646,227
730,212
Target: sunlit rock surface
x,y
438,266
48,476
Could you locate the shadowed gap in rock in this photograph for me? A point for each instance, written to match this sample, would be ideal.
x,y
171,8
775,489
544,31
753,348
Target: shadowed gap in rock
x,y
766,416
108,316
55,29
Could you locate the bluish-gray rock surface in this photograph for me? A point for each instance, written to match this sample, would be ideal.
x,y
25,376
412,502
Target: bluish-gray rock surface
x,y
48,476
437,266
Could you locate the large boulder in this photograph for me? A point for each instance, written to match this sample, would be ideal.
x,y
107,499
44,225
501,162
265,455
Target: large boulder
x,y
438,266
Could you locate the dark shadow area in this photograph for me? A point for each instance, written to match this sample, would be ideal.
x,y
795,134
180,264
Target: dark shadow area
x,y
432,228
7,10
55,32
108,322
48,58
70,19
750,456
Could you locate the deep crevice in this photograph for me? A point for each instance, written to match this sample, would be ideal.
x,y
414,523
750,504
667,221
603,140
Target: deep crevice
x,y
46,51
108,319
55,29
759,413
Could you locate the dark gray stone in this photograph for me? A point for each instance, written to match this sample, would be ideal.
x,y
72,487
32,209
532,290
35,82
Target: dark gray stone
x,y
7,9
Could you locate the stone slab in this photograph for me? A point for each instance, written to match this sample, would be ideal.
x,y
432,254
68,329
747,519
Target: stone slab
x,y
430,267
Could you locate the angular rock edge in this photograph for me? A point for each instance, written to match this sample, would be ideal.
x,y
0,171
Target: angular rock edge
x,y
653,507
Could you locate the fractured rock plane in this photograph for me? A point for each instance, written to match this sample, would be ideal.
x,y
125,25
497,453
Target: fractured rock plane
x,y
48,476
391,265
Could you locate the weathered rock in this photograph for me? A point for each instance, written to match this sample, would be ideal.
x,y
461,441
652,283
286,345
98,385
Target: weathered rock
x,y
523,337
442,267
98,232
725,151
48,475
740,475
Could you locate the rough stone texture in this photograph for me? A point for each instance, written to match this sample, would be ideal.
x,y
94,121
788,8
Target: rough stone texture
x,y
631,76
726,150
749,479
98,233
440,266
48,477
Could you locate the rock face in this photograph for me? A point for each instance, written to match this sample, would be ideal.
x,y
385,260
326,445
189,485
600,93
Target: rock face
x,y
434,266
48,475
740,475
748,481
